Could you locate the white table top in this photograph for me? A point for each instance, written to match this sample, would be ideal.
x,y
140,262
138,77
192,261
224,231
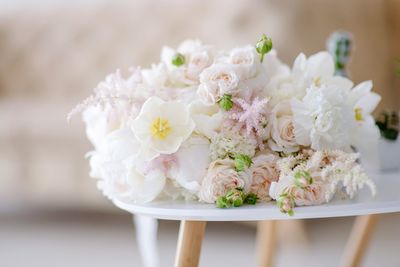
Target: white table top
x,y
386,201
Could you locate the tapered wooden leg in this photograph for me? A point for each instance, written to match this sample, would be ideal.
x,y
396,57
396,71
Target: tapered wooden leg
x,y
191,235
266,237
360,235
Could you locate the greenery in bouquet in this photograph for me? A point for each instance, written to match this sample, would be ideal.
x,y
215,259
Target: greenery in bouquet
x,y
234,128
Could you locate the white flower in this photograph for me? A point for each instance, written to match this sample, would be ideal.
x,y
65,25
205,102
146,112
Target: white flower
x,y
98,125
320,119
221,177
318,70
197,58
362,103
156,76
245,61
116,162
162,126
217,80
228,144
281,127
208,118
192,160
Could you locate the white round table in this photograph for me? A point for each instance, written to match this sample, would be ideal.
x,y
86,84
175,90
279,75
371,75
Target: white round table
x,y
194,215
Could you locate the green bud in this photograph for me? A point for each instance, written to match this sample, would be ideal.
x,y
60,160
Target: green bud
x,y
251,199
235,197
226,102
263,46
237,202
222,202
302,179
286,204
242,162
178,59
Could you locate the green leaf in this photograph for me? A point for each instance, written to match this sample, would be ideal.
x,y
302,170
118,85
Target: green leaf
x,y
242,162
178,59
226,102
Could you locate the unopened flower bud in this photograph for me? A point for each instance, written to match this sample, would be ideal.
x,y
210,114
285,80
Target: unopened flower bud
x,y
263,46
286,204
251,199
226,102
242,162
178,59
235,197
222,202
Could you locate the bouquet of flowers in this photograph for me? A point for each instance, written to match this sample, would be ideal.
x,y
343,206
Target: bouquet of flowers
x,y
230,127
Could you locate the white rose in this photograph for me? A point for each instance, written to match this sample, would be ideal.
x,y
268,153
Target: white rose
x,y
192,160
281,127
197,58
245,61
217,80
162,126
115,162
221,177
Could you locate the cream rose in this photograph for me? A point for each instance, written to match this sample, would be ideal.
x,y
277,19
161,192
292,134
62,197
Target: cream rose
x,y
217,80
197,57
314,194
281,127
245,61
222,176
263,171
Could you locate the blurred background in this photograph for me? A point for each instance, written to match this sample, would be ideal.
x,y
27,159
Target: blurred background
x,y
52,53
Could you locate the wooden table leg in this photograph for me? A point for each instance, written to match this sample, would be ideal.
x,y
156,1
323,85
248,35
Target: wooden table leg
x,y
360,235
266,237
191,235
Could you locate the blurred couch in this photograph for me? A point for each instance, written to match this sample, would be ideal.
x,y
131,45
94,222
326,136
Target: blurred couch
x,y
52,53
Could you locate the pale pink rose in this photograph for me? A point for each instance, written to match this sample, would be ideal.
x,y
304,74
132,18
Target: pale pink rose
x,y
217,80
313,194
221,177
282,130
264,171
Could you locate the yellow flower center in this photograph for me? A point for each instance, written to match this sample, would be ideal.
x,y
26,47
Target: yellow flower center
x,y
358,114
317,81
160,128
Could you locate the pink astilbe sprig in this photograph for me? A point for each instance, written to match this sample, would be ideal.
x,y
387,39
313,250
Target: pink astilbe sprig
x,y
110,91
250,116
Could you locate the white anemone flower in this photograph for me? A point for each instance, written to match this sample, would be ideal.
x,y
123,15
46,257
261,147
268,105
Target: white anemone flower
x,y
162,126
363,102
